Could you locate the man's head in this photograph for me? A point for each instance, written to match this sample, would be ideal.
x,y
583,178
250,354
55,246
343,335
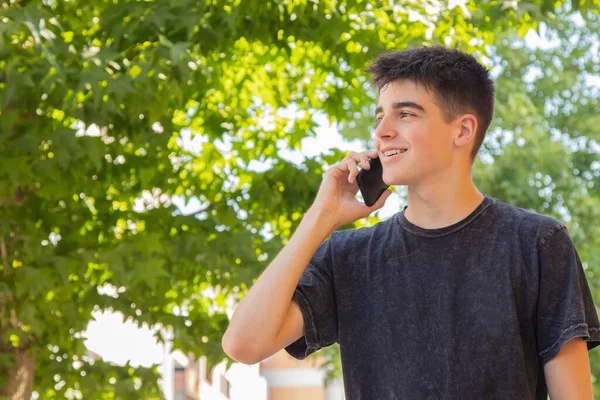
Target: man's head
x,y
435,102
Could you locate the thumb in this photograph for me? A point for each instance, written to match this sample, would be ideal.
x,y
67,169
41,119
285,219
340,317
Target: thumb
x,y
381,200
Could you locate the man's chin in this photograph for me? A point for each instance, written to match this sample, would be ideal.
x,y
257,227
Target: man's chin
x,y
393,180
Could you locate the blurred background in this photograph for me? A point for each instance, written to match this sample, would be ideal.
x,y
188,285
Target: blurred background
x,y
155,156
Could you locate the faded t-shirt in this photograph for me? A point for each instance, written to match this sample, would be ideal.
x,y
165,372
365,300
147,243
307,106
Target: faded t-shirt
x,y
468,311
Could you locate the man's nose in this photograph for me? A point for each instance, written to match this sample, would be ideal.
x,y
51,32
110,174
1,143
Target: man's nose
x,y
385,128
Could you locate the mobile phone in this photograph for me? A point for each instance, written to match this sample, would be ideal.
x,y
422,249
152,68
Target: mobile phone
x,y
370,181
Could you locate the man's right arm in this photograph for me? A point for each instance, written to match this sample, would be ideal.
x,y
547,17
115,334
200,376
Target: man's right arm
x,y
267,320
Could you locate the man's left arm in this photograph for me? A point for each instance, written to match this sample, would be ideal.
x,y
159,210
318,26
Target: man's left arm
x,y
568,374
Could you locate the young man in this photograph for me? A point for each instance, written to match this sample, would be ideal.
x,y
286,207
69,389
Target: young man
x,y
459,295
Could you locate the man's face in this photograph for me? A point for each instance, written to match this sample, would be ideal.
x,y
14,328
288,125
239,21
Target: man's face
x,y
408,118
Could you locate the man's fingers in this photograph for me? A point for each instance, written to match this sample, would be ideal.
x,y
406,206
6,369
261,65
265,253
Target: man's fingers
x,y
353,159
365,161
353,170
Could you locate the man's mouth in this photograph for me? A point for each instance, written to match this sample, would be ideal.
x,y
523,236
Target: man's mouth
x,y
392,157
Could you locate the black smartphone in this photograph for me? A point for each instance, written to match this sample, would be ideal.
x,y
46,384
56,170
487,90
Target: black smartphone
x,y
370,181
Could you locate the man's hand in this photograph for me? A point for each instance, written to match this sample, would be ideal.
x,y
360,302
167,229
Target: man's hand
x,y
337,194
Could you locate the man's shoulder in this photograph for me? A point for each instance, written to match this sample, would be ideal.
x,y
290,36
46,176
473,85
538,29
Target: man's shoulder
x,y
530,223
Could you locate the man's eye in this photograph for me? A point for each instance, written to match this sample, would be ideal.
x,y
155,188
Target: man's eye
x,y
379,119
405,114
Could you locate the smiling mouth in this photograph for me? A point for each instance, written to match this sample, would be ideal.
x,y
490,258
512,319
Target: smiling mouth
x,y
393,155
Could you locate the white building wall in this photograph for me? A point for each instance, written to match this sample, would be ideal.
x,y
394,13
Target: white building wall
x,y
167,370
335,390
246,383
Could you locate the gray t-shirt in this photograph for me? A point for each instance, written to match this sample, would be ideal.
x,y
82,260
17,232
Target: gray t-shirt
x,y
468,311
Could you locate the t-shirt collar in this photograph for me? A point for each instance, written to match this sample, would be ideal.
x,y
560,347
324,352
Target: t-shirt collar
x,y
438,232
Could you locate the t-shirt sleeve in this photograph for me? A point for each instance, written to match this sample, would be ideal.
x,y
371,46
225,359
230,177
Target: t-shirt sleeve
x,y
315,295
565,307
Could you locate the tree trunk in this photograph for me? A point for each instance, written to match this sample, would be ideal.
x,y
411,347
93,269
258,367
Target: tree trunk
x,y
19,383
20,378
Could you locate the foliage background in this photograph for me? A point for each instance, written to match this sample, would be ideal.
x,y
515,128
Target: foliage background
x,y
94,96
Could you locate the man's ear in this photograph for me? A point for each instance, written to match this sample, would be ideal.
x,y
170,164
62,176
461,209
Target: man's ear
x,y
466,129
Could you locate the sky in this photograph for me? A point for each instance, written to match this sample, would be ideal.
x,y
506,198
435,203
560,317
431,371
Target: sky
x,y
117,341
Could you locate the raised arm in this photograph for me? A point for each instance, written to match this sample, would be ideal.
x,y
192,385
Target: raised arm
x,y
267,319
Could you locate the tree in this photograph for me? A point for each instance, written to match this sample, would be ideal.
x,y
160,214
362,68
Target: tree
x,y
94,96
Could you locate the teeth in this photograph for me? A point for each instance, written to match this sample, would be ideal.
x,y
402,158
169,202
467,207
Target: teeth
x,y
391,152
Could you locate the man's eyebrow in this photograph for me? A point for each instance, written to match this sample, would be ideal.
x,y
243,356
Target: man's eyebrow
x,y
402,104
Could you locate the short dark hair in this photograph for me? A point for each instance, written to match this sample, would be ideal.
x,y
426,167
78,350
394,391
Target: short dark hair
x,y
459,83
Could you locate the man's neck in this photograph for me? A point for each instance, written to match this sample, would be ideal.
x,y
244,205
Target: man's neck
x,y
442,205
